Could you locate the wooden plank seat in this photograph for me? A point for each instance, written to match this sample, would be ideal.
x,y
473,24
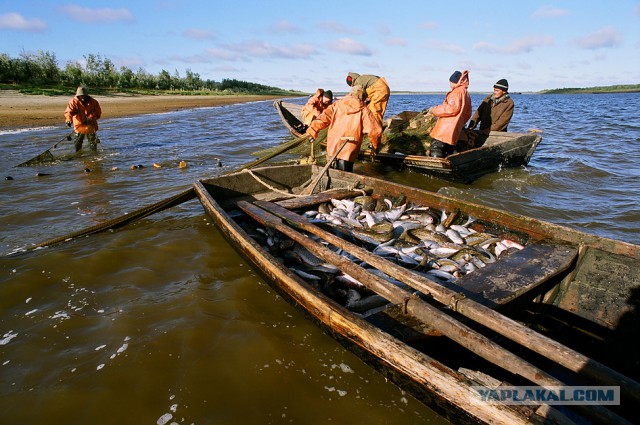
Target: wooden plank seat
x,y
520,273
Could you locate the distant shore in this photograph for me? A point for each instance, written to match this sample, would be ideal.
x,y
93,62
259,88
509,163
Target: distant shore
x,y
27,111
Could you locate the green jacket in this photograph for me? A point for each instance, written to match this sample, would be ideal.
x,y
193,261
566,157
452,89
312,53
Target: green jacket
x,y
363,80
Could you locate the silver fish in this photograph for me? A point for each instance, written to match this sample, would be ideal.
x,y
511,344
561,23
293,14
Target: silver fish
x,y
394,213
462,230
310,213
443,251
349,281
305,275
500,248
441,275
454,236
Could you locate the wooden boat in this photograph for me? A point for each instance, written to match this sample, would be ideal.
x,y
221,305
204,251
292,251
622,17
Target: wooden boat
x,y
557,312
291,116
500,149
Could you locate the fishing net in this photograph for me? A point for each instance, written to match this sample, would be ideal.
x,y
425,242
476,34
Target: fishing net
x,y
63,151
47,156
303,149
43,158
408,133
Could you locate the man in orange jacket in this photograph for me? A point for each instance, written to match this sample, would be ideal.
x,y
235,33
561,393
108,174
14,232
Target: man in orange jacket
x,y
452,114
316,105
348,120
83,112
375,92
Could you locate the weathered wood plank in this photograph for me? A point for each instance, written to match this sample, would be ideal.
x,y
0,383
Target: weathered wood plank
x,y
316,199
517,274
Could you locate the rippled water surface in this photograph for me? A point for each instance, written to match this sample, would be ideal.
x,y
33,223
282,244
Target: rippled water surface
x,y
163,321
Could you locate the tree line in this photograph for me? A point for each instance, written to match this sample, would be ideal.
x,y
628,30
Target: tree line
x,y
41,69
619,88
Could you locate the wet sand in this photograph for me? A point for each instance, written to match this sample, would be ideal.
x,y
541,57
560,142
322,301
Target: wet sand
x,y
27,111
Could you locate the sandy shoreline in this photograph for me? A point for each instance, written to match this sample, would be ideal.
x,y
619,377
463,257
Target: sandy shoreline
x,y
26,111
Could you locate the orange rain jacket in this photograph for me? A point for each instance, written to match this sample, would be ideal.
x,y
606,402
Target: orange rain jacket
x,y
376,92
347,117
313,108
453,113
85,117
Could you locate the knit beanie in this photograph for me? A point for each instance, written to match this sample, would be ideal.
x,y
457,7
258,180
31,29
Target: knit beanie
x,y
328,94
455,77
502,85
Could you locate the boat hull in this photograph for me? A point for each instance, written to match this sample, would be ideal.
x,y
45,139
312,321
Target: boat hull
x,y
441,386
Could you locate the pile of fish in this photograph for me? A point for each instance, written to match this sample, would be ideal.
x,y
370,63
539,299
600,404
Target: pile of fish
x,y
413,236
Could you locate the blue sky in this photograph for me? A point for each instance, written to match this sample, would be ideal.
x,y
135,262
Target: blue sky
x,y
303,45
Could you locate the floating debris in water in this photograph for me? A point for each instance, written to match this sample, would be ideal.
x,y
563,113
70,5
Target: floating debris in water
x,y
8,178
114,168
42,174
87,170
7,337
156,165
183,164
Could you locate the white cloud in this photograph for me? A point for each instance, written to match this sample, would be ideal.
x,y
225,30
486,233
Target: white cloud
x,y
88,15
199,34
395,41
228,69
447,47
351,46
15,21
263,49
428,26
523,45
524,65
284,27
337,27
549,12
131,62
224,54
604,37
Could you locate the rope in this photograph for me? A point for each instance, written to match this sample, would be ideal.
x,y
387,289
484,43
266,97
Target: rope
x,y
268,186
122,220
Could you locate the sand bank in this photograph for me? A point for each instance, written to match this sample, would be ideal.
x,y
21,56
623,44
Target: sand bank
x,y
22,111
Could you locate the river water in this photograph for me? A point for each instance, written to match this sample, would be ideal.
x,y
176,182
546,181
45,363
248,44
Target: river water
x,y
162,321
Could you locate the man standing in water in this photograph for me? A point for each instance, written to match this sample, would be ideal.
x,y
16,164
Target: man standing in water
x,y
83,112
